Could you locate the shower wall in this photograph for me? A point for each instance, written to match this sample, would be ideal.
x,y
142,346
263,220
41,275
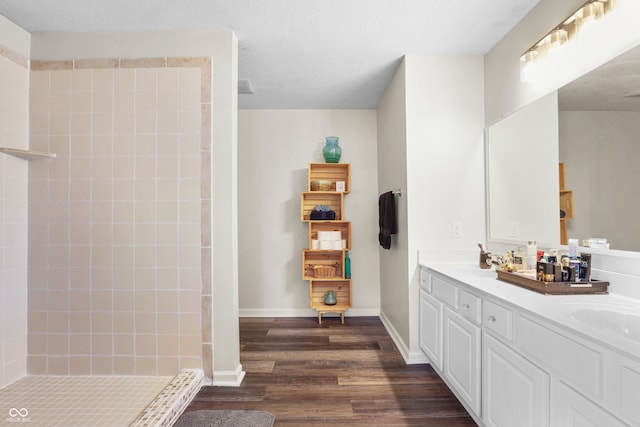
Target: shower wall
x,y
14,127
118,222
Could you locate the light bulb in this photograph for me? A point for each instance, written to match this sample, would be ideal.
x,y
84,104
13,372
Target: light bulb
x,y
588,17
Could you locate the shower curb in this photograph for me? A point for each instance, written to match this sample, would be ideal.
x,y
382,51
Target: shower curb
x,y
166,408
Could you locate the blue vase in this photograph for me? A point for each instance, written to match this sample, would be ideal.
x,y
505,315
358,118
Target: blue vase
x,y
332,151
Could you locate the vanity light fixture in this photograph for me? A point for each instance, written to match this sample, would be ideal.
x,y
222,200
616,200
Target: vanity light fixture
x,y
555,40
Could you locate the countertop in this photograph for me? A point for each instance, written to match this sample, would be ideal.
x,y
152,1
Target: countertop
x,y
557,309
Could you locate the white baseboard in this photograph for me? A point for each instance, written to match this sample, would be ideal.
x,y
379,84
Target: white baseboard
x,y
306,312
228,378
410,357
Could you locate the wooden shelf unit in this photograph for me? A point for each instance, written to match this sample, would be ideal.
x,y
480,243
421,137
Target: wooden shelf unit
x,y
319,286
310,199
317,257
333,172
317,291
566,204
344,227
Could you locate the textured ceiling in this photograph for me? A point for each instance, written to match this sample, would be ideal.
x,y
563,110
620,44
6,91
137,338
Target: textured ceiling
x,y
299,53
614,86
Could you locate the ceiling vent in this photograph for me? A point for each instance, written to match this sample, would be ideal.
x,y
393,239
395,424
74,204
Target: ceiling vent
x,y
245,87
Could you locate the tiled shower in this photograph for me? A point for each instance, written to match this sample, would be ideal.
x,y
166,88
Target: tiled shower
x,y
106,248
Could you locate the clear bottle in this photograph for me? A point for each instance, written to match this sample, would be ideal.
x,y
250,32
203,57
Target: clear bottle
x,y
532,255
573,248
347,265
519,260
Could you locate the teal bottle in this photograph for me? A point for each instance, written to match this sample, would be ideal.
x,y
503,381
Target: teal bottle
x,y
331,151
347,265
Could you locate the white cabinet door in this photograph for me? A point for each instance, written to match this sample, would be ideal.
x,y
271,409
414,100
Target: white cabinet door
x,y
570,409
515,392
462,357
629,376
431,328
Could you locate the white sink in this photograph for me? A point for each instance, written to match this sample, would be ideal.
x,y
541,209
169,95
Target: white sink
x,y
608,318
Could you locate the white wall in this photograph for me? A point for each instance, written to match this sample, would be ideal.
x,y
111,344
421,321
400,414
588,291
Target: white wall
x,y
14,38
14,133
445,160
274,150
392,175
444,172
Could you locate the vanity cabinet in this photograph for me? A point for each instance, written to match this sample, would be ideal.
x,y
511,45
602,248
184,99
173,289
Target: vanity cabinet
x,y
513,367
450,336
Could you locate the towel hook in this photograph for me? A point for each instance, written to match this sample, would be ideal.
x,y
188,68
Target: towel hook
x,y
397,192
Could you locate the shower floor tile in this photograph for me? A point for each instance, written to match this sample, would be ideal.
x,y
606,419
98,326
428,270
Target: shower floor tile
x,y
78,401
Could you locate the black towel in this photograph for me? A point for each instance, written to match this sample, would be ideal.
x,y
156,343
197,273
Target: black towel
x,y
387,218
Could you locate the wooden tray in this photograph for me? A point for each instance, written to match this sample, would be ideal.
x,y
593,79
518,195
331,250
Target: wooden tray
x,y
554,288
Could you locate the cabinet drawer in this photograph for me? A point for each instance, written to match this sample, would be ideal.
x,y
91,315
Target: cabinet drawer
x,y
425,279
497,319
470,306
444,291
580,365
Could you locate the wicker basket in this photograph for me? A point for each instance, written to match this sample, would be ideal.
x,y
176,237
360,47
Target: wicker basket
x,y
324,271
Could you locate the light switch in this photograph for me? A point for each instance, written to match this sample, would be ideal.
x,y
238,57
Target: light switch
x,y
513,229
456,230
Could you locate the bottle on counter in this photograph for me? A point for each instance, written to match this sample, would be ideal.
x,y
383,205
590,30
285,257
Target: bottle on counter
x,y
532,255
519,260
573,248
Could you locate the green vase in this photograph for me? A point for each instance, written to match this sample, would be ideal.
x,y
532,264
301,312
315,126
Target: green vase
x,y
331,151
330,298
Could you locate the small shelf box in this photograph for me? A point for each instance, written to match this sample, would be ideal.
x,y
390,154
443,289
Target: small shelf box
x,y
334,172
313,260
344,227
318,290
310,199
566,203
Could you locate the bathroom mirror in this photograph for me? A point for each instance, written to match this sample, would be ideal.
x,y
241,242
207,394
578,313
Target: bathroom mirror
x,y
597,136
522,175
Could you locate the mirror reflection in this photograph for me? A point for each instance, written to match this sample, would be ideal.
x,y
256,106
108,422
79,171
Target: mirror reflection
x,y
599,134
593,127
522,172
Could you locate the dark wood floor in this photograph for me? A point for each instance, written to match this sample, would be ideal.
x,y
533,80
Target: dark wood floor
x,y
333,375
